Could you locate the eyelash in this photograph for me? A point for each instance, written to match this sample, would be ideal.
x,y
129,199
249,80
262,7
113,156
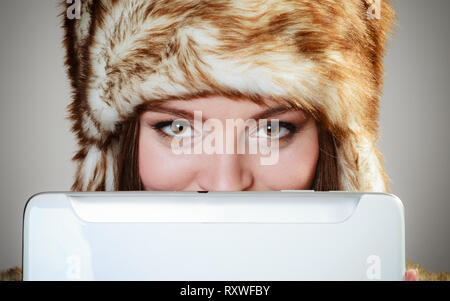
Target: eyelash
x,y
159,125
292,128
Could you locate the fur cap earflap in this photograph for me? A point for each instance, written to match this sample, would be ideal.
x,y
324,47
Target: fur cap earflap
x,y
324,57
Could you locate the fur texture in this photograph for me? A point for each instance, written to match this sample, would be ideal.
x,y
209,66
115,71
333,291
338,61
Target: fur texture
x,y
324,57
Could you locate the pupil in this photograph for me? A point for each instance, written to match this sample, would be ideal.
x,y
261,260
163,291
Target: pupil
x,y
269,130
178,128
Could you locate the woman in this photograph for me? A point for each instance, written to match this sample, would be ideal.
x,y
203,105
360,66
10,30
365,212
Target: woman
x,y
149,161
138,66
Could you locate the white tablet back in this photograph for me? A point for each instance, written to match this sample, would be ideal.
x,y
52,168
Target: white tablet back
x,y
288,235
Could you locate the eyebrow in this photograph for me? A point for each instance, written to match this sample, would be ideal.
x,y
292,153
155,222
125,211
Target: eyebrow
x,y
190,115
177,112
271,112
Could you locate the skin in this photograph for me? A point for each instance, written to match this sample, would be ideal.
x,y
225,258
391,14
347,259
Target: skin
x,y
161,169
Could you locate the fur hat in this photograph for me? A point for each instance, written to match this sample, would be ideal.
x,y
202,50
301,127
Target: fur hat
x,y
324,57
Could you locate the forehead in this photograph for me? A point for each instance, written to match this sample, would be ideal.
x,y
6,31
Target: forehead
x,y
222,107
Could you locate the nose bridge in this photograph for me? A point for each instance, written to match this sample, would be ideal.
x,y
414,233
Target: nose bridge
x,y
225,169
235,138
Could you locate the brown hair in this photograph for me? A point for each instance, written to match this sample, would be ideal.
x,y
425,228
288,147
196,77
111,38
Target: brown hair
x,y
325,178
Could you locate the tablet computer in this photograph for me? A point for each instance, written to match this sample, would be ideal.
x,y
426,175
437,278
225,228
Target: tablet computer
x,y
224,236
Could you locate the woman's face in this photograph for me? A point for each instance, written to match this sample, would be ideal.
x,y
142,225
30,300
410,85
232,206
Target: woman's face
x,y
161,168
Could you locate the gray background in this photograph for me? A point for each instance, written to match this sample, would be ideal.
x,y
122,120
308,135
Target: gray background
x,y
36,145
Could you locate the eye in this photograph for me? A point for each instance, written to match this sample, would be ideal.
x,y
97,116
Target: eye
x,y
176,128
273,130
